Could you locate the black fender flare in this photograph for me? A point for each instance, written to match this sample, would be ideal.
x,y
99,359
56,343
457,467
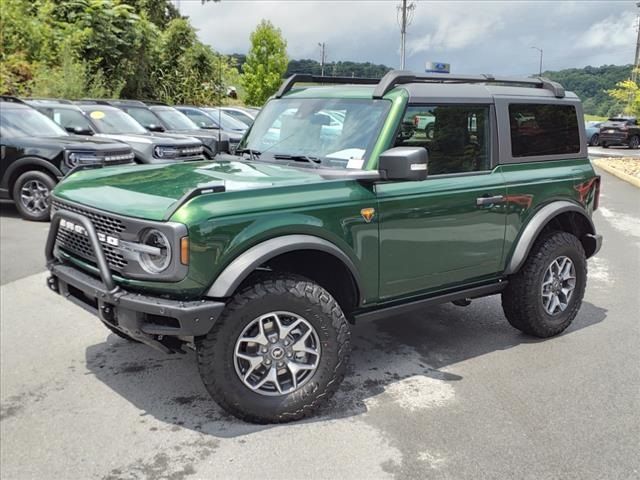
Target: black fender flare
x,y
239,269
27,162
536,225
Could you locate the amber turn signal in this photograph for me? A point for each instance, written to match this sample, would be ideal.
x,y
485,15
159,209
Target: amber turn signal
x,y
184,250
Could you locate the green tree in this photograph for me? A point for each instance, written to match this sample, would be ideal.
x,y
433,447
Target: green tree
x,y
627,93
266,63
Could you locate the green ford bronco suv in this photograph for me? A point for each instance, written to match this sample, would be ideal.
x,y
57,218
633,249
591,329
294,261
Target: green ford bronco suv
x,y
336,208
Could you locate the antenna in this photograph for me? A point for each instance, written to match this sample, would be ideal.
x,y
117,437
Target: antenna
x,y
220,86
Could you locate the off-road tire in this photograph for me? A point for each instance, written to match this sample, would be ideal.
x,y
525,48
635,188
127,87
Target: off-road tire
x,y
521,299
35,176
277,292
117,332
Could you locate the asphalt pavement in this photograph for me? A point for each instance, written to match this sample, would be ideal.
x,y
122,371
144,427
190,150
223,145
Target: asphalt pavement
x,y
450,393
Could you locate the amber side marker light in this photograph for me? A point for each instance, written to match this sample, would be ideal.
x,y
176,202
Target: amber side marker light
x,y
184,250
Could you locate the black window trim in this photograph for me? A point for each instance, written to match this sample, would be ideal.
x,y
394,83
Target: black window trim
x,y
493,143
504,129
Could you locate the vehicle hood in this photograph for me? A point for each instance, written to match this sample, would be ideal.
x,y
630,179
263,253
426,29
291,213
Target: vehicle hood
x,y
73,142
152,139
151,191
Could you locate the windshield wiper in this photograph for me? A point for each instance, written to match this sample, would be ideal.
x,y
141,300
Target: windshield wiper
x,y
253,154
299,158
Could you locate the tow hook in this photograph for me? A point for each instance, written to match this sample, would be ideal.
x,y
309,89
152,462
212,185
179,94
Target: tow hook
x,y
463,302
52,283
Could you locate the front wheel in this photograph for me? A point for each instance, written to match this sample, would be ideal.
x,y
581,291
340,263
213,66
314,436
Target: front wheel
x,y
31,193
278,351
544,297
634,142
595,139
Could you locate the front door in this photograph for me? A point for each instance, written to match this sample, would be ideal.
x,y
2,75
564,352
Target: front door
x,y
449,228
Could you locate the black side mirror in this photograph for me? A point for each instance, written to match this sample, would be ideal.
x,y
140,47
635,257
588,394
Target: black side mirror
x,y
79,130
404,164
155,128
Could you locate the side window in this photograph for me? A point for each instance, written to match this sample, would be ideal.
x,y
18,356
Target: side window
x,y
539,129
457,137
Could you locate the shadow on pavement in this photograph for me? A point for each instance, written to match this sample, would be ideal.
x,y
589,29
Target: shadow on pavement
x,y
385,352
8,209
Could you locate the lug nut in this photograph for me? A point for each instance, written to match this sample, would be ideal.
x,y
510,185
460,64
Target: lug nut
x,y
267,361
281,364
273,340
263,349
289,355
286,343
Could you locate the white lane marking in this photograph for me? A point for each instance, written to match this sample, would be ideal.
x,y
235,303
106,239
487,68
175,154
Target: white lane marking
x,y
622,222
599,270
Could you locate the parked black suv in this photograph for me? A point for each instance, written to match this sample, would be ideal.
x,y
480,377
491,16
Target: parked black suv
x,y
163,118
35,153
620,131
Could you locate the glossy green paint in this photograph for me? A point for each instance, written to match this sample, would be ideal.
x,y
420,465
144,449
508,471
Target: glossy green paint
x,y
149,191
530,186
433,235
221,228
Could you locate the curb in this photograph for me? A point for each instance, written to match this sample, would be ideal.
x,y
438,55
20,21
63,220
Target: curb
x,y
635,181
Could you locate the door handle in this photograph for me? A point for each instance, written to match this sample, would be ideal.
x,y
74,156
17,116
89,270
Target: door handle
x,y
483,201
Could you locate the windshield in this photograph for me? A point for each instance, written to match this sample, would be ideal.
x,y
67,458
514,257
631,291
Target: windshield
x,y
339,133
113,121
27,122
174,119
227,122
144,117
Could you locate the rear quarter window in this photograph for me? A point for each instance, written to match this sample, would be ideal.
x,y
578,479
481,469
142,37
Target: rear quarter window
x,y
543,129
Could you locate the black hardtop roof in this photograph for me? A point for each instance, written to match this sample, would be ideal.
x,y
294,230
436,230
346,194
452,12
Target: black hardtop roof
x,y
418,81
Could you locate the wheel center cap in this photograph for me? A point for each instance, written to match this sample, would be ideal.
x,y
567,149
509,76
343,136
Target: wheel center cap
x,y
277,353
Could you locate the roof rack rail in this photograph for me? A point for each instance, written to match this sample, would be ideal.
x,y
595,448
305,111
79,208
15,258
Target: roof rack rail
x,y
91,101
124,101
399,77
48,100
155,103
11,99
308,78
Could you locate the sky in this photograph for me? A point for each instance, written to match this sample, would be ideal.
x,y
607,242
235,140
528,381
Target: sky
x,y
473,36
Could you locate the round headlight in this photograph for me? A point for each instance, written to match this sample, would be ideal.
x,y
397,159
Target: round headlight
x,y
158,258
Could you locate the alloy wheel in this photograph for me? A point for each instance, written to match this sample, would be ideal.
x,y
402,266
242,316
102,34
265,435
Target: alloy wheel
x,y
277,353
558,285
34,196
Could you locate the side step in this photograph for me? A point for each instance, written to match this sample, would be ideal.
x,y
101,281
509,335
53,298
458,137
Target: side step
x,y
458,296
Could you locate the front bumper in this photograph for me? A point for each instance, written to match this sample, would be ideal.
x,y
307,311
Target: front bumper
x,y
145,318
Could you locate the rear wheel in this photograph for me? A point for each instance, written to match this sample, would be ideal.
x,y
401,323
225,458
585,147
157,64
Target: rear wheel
x,y
31,193
544,297
277,353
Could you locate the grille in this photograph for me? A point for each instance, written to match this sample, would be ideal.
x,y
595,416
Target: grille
x,y
102,223
79,244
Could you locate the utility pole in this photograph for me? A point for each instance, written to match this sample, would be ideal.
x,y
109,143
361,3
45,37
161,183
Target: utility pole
x,y
636,59
322,58
541,52
405,15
